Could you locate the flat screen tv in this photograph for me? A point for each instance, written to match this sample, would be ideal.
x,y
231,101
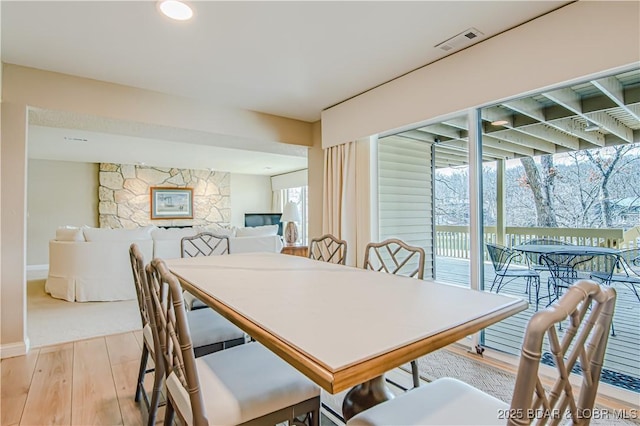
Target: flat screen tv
x,y
261,219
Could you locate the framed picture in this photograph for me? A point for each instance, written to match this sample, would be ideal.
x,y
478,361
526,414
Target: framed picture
x,y
171,203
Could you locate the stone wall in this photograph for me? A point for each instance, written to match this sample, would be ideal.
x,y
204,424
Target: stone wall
x,y
124,200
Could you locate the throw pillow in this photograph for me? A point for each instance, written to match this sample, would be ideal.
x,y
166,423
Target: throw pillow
x,y
257,231
69,233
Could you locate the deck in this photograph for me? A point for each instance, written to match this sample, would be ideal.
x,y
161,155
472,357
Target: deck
x,y
622,359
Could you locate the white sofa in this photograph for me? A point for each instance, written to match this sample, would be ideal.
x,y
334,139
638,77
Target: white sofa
x,y
92,264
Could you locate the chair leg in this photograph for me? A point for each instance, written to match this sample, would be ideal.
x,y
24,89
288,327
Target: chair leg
x,y
169,413
315,417
415,373
495,280
141,373
155,398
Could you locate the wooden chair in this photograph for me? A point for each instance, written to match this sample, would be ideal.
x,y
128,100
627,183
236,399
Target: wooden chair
x,y
505,267
211,333
246,384
446,401
396,257
202,244
328,248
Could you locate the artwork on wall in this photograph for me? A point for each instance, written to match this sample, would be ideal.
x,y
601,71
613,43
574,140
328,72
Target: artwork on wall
x,y
171,203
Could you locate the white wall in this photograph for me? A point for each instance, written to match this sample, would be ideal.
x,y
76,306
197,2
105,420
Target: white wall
x,y
249,194
58,193
581,39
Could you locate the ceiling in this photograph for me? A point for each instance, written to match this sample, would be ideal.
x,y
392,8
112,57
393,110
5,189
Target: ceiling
x,y
595,113
291,59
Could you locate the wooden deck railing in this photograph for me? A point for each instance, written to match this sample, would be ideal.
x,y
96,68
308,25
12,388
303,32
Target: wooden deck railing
x,y
453,241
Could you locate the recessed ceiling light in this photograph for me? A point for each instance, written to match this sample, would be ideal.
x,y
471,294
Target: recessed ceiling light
x,y
499,122
175,9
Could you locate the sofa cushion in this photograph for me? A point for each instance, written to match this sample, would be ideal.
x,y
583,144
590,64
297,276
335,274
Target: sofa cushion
x,y
257,231
162,234
69,233
108,234
218,230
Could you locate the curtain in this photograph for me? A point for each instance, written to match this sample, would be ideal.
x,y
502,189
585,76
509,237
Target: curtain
x,y
276,200
339,209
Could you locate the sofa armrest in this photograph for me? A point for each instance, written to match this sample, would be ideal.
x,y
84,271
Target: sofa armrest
x,y
92,271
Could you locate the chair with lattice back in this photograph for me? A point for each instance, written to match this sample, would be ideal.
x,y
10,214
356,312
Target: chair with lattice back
x,y
510,265
202,244
246,384
328,248
211,332
396,257
588,308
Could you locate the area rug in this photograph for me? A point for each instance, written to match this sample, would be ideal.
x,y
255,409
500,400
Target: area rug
x,y
445,363
51,321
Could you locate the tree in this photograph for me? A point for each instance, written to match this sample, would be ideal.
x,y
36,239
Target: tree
x,y
541,182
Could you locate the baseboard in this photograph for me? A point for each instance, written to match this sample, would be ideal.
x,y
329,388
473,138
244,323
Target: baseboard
x,y
14,349
37,267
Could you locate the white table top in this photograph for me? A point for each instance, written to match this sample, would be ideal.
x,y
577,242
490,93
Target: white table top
x,y
339,325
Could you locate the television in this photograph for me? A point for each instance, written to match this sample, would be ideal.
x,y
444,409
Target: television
x,y
261,219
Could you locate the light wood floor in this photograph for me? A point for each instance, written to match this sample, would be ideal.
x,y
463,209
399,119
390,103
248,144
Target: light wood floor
x,y
88,382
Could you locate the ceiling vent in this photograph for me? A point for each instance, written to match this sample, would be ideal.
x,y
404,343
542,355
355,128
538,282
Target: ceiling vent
x,y
465,38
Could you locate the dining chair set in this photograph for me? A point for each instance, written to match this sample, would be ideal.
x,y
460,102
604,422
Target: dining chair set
x,y
213,374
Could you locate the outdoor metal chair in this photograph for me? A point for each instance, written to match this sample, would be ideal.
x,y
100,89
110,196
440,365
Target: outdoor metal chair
x,y
567,268
396,257
328,248
627,271
247,384
534,258
202,244
505,264
446,401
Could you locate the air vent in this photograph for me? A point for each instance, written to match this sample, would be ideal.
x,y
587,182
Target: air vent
x,y
465,38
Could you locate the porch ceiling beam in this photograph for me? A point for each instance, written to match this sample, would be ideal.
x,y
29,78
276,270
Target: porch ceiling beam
x,y
523,139
613,89
459,122
442,130
487,150
574,127
550,134
419,135
567,98
611,125
520,150
529,107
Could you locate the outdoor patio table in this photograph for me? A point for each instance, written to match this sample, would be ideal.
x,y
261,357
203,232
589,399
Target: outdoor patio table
x,y
564,249
340,326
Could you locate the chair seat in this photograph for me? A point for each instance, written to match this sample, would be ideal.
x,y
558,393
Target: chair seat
x,y
518,272
243,383
616,277
437,403
192,303
208,327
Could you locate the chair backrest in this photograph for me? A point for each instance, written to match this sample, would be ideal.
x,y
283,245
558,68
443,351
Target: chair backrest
x,y
139,279
566,268
172,330
328,248
589,309
547,242
204,244
395,257
631,260
500,256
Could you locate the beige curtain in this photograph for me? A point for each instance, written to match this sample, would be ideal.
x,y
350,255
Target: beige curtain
x,y
277,201
339,212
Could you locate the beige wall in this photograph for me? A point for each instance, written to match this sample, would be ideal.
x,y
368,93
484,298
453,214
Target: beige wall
x,y
315,164
541,53
58,193
27,87
249,194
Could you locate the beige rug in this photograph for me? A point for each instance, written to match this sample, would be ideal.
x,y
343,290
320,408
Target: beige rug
x,y
51,321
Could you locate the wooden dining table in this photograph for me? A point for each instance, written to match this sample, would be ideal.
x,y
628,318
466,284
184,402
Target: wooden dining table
x,y
343,327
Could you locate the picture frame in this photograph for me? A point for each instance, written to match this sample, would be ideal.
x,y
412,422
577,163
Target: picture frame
x,y
171,203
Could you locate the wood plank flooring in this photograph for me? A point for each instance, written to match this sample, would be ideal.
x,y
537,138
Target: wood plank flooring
x,y
88,382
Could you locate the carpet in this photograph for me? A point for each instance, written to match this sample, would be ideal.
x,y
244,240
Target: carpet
x,y
51,321
445,363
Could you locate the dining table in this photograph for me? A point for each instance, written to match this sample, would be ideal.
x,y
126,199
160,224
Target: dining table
x,y
343,327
